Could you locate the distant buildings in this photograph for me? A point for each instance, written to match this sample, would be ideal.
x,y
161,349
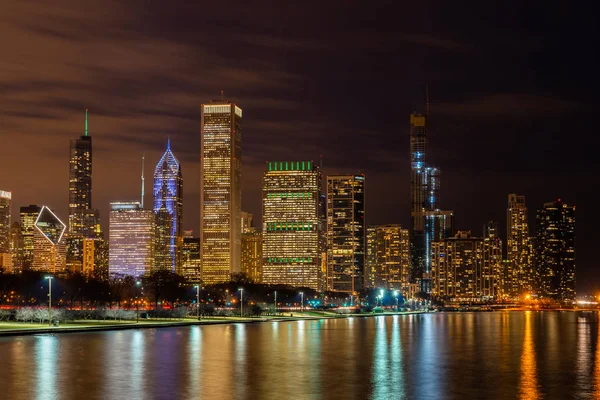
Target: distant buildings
x,y
190,259
5,217
168,212
28,215
252,254
131,239
518,248
555,251
388,258
221,191
292,224
49,251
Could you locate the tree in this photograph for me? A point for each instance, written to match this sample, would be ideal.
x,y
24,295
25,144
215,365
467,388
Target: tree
x,y
166,285
256,310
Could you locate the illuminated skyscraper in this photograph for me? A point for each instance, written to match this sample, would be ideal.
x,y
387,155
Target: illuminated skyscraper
x,y
131,239
28,215
388,257
247,221
190,259
49,252
221,192
80,183
168,208
345,233
252,256
518,246
466,268
555,251
292,224
16,247
5,208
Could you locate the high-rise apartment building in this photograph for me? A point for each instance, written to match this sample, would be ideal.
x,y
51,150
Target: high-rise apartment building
x,y
292,224
168,211
5,210
131,239
388,258
190,259
221,192
518,246
466,268
49,251
252,255
555,251
28,215
345,233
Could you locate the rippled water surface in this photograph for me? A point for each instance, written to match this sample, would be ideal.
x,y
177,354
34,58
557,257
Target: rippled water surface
x,y
504,355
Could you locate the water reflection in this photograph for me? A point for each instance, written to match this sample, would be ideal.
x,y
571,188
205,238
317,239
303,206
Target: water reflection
x,y
528,387
46,359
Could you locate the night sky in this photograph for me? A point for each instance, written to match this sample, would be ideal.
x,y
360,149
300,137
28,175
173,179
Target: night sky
x,y
513,89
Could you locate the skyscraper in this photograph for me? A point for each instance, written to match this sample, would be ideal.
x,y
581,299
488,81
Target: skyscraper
x,y
16,247
252,255
28,215
292,224
190,259
80,182
5,208
168,209
49,252
518,245
388,258
345,233
221,194
555,251
131,239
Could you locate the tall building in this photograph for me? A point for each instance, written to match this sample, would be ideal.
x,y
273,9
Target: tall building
x,y
190,259
388,258
16,247
425,184
292,224
28,215
247,221
131,239
518,246
345,233
49,252
5,249
168,210
466,268
221,193
555,251
252,255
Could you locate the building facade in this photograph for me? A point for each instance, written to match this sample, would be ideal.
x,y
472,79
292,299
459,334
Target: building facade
x,y
252,255
190,259
518,247
555,251
80,182
27,216
345,233
49,249
131,239
292,224
168,213
388,258
5,218
221,194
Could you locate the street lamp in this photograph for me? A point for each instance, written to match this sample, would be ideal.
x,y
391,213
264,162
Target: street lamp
x,y
241,302
137,301
49,300
197,301
396,296
302,302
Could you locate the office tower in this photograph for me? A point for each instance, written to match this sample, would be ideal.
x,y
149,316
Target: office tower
x,y
555,251
221,192
5,209
28,215
80,182
247,221
252,255
190,256
16,247
49,252
292,224
168,208
491,269
388,258
345,233
466,268
131,239
517,245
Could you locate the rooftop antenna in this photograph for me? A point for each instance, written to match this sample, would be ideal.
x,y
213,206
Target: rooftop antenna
x,y
86,122
222,95
168,142
143,156
427,100
321,161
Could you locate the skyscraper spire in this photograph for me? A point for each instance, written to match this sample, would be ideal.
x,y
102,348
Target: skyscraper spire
x,y
86,122
142,203
168,142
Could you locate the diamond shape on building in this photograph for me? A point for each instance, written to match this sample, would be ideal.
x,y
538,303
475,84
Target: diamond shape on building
x,y
48,224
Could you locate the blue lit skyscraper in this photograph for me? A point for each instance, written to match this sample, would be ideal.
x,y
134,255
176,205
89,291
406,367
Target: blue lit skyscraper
x,y
168,207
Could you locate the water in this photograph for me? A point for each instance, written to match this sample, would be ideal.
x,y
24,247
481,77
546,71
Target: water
x,y
503,355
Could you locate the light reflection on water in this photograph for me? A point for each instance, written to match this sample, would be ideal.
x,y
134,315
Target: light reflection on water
x,y
530,355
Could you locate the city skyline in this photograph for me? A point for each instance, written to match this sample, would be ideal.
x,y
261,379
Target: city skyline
x,y
490,131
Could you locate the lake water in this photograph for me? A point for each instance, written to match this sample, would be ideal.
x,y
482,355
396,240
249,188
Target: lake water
x,y
499,355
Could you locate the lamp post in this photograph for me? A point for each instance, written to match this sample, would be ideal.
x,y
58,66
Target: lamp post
x,y
302,302
137,301
49,300
241,302
276,302
197,301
